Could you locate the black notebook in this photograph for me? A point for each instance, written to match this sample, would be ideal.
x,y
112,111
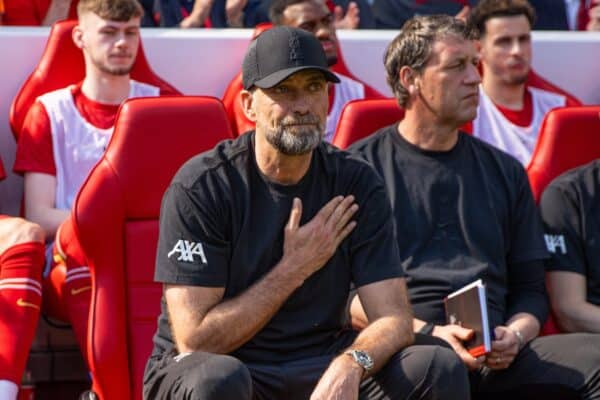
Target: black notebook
x,y
467,307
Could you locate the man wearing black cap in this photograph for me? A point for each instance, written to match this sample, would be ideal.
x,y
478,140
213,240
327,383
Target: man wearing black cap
x,y
260,240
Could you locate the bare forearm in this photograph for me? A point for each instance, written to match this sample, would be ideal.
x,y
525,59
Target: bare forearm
x,y
525,323
579,317
48,218
384,337
58,10
233,322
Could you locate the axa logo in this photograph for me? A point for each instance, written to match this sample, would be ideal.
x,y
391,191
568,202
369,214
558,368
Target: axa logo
x,y
187,250
555,242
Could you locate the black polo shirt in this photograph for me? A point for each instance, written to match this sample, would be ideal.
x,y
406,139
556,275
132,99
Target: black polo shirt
x,y
222,225
461,215
570,208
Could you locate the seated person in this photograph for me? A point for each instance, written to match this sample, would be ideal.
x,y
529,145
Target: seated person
x,y
570,210
37,12
259,242
21,264
588,15
392,14
249,13
314,16
510,111
66,131
464,211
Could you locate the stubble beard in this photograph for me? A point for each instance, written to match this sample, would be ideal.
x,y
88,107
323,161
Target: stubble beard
x,y
294,141
116,71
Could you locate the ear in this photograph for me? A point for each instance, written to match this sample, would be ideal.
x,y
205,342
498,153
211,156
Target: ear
x,y
409,79
77,35
247,100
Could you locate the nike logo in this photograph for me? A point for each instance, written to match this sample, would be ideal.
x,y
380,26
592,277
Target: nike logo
x,y
23,303
79,290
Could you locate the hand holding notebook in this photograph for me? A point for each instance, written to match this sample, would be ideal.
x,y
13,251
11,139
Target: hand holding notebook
x,y
467,307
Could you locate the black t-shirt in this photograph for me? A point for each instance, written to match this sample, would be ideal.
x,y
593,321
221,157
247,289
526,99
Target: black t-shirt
x,y
570,209
222,225
461,215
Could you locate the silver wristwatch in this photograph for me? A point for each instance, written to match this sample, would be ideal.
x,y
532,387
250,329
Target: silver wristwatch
x,y
362,358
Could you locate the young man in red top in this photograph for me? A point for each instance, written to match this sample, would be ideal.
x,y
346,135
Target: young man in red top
x,y
21,264
511,107
66,132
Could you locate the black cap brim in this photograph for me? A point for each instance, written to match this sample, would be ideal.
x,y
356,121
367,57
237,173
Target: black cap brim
x,y
279,76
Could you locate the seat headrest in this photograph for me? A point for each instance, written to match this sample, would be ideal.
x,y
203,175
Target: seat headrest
x,y
360,118
61,65
153,137
569,137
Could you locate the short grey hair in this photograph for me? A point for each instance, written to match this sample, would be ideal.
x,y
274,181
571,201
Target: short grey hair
x,y
412,46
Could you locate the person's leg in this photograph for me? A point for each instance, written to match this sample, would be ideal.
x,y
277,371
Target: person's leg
x,y
21,264
429,369
77,285
554,367
197,376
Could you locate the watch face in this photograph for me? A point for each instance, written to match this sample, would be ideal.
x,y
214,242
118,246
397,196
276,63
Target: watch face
x,y
363,359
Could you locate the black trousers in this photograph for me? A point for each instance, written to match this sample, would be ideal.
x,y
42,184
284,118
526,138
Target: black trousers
x,y
550,367
425,370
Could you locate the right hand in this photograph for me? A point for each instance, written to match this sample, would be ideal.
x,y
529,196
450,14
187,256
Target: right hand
x,y
594,24
234,10
463,14
198,16
455,336
349,20
308,247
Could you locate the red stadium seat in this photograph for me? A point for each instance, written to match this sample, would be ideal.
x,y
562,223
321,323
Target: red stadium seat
x,y
115,220
360,118
569,137
550,327
62,64
231,97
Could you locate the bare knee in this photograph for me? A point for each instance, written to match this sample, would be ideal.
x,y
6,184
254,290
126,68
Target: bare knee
x,y
15,231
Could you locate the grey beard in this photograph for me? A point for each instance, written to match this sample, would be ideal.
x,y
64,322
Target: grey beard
x,y
303,141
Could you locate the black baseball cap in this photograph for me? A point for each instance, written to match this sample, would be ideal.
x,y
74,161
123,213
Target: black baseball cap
x,y
280,52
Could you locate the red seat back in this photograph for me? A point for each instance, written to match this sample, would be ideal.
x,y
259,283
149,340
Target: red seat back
x,y
62,64
116,222
569,137
360,118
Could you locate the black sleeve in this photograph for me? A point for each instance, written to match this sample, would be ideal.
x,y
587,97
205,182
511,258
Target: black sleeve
x,y
192,245
374,249
561,216
526,233
526,290
526,285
